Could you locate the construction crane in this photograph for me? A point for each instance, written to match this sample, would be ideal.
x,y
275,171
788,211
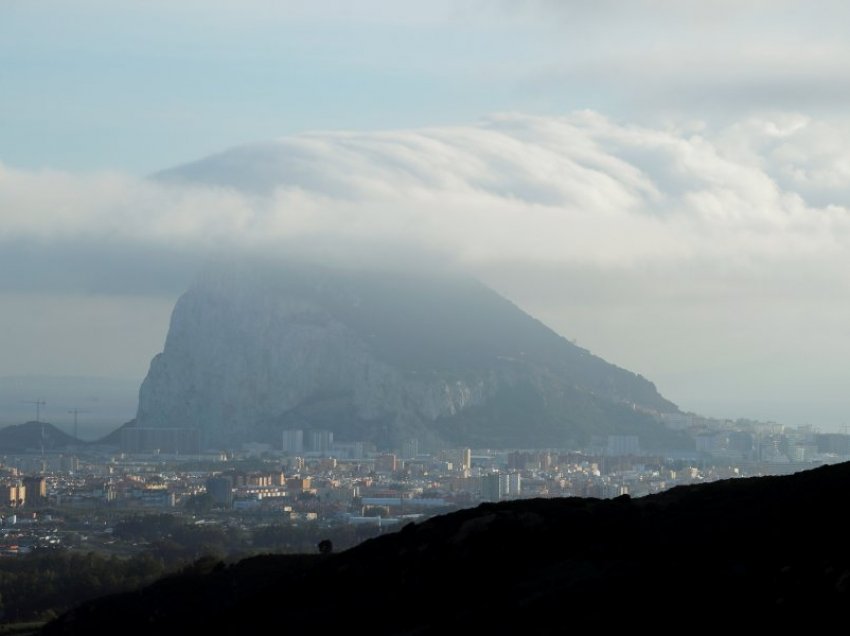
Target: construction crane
x,y
76,412
38,405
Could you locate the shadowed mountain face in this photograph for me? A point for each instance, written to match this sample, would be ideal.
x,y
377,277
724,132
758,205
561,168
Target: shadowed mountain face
x,y
381,357
743,552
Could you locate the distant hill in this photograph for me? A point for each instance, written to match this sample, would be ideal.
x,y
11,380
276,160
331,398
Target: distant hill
x,y
34,436
382,356
756,552
102,402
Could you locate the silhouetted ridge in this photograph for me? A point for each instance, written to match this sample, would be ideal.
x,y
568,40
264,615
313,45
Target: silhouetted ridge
x,y
748,552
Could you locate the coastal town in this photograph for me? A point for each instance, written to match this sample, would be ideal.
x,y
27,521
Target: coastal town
x,y
310,486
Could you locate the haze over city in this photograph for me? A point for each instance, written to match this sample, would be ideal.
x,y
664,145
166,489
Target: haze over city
x,y
663,183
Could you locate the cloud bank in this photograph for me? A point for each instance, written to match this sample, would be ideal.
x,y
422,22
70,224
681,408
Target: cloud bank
x,y
579,189
712,253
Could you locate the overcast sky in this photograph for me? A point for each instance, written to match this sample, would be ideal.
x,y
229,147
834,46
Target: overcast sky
x,y
667,183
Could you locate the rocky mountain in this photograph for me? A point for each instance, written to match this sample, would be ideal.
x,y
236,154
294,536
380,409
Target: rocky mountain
x,y
378,356
762,553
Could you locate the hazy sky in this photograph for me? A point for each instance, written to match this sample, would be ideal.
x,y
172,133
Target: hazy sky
x,y
666,182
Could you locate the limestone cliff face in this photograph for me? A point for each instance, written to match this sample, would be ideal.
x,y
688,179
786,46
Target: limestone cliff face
x,y
251,352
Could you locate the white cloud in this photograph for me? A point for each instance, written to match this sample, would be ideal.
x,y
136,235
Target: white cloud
x,y
579,188
574,189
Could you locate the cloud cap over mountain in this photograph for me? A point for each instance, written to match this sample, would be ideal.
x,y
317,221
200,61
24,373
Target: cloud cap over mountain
x,y
723,248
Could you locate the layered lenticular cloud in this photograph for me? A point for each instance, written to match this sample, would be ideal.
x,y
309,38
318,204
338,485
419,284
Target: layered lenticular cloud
x,y
574,189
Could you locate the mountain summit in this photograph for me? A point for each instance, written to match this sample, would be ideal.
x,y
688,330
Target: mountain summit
x,y
381,357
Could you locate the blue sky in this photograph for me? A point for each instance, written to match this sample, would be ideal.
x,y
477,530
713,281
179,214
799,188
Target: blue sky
x,y
665,182
141,86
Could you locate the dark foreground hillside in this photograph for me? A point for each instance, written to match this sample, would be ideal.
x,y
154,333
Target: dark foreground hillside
x,y
750,552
